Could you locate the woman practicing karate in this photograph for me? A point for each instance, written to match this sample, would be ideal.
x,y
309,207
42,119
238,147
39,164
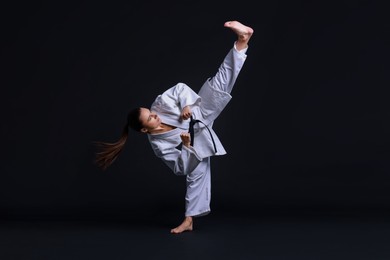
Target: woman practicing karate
x,y
179,128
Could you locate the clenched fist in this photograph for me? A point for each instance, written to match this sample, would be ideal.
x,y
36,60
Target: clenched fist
x,y
186,139
186,113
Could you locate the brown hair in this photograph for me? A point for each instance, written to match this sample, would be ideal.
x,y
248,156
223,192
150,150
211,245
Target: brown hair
x,y
110,151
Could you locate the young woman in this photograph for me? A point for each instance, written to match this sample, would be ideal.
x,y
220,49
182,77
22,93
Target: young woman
x,y
179,128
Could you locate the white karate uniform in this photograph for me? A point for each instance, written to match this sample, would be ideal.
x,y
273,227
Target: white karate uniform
x,y
206,105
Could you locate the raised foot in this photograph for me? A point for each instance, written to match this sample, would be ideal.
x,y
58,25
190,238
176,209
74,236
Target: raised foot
x,y
243,32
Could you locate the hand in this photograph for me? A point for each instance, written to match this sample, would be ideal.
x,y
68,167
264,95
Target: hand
x,y
186,139
186,113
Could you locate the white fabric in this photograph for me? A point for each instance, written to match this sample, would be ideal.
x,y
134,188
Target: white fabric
x,y
206,105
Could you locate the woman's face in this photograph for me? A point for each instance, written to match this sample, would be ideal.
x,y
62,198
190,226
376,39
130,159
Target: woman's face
x,y
149,120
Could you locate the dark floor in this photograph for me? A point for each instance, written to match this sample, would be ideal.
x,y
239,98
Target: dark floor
x,y
276,235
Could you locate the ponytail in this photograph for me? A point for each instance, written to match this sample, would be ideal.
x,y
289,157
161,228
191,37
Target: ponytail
x,y
110,151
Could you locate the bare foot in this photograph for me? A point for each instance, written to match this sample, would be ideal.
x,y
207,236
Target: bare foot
x,y
186,225
243,32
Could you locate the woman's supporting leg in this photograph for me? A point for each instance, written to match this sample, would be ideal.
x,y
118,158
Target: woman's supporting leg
x,y
198,195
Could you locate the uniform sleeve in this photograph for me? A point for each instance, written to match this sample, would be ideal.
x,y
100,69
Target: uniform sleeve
x,y
181,162
169,105
181,95
187,161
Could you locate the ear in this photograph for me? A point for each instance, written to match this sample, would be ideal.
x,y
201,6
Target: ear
x,y
144,130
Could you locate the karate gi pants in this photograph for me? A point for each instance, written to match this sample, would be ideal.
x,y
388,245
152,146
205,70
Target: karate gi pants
x,y
198,182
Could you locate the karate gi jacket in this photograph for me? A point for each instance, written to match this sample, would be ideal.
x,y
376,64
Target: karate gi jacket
x,y
205,106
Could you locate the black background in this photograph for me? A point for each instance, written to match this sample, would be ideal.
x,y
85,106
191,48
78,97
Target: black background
x,y
307,126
